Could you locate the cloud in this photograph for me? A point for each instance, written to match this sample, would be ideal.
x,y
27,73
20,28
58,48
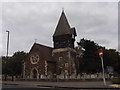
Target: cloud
x,y
29,21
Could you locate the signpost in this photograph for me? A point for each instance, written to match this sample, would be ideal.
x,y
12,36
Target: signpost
x,y
101,56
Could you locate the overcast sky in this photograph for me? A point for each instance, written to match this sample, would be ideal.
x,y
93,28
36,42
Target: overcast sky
x,y
27,21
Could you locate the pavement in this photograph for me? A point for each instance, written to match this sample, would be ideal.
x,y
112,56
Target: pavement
x,y
73,85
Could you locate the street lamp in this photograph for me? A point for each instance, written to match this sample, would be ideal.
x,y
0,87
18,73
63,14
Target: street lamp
x,y
7,55
7,43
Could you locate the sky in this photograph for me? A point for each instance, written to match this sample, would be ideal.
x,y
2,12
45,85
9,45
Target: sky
x,y
27,21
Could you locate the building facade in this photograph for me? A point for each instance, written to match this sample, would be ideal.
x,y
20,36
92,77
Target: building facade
x,y
46,62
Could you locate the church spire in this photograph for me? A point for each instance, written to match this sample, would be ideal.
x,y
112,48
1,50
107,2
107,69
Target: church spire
x,y
64,35
63,26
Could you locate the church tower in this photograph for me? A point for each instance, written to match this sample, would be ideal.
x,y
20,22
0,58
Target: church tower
x,y
64,35
64,53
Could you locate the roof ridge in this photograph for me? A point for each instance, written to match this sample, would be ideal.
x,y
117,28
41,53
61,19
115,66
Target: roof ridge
x,y
43,45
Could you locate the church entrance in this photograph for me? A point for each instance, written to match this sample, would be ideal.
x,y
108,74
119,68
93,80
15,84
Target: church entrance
x,y
34,73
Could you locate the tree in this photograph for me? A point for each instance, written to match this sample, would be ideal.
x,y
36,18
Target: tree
x,y
90,62
6,70
17,60
12,66
111,58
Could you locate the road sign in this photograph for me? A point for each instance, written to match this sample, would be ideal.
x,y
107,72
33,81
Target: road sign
x,y
100,53
101,56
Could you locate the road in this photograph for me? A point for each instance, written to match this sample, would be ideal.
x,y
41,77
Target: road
x,y
37,85
19,87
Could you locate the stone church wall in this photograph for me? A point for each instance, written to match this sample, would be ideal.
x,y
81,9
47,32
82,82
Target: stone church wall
x,y
65,59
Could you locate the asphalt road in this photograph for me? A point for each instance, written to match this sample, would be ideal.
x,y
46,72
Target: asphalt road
x,y
27,85
14,86
18,87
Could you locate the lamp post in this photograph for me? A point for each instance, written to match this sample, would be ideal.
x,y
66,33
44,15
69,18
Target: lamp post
x,y
7,43
7,55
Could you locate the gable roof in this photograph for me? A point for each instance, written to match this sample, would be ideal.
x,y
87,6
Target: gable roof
x,y
45,51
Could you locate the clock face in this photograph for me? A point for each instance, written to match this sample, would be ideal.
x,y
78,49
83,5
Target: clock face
x,y
34,58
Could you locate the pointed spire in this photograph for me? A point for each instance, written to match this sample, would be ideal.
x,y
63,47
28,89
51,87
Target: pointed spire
x,y
63,26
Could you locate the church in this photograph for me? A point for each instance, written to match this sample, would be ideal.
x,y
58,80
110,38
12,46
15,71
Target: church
x,y
59,61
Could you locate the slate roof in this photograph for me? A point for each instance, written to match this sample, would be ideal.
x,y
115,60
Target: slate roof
x,y
45,51
63,26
